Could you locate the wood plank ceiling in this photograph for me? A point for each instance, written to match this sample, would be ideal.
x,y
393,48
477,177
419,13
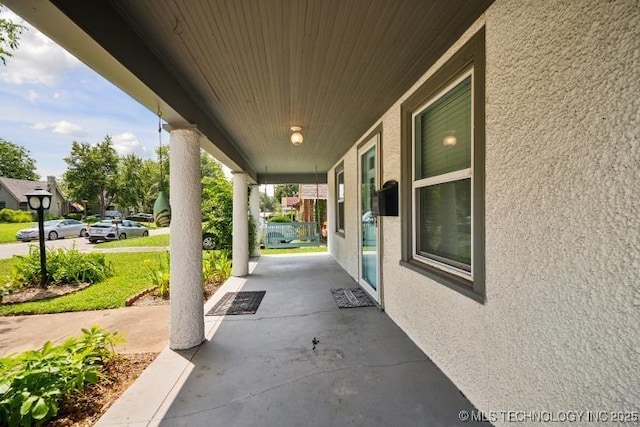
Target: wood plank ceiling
x,y
257,67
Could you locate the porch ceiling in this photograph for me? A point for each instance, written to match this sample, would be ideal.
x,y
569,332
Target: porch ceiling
x,y
244,71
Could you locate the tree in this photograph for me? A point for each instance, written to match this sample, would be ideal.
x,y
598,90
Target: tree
x,y
132,183
92,172
285,190
16,162
217,200
9,37
266,202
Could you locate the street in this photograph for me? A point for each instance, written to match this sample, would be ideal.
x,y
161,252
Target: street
x,y
7,250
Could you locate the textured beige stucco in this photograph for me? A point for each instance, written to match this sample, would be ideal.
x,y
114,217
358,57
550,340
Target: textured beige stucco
x,y
560,329
344,248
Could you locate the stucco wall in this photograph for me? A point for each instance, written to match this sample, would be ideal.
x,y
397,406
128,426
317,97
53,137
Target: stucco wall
x,y
560,329
344,248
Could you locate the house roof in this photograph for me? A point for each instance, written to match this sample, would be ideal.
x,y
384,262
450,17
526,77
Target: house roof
x,y
245,71
19,187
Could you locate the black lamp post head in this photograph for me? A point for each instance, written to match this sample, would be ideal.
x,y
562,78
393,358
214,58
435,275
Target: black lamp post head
x,y
39,199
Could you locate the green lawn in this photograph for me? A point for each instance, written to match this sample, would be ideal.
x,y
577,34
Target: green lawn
x,y
305,249
160,240
8,231
130,277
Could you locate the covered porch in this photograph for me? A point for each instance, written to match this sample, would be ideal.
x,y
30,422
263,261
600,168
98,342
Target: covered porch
x,y
261,369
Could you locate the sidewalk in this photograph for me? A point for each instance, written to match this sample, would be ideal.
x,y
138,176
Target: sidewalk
x,y
145,328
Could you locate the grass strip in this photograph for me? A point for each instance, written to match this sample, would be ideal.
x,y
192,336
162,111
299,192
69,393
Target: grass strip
x,y
129,279
8,231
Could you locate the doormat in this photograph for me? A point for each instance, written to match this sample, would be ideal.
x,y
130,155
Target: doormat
x,y
237,303
352,297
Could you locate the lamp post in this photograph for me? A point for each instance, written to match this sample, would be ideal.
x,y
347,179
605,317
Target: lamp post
x,y
39,201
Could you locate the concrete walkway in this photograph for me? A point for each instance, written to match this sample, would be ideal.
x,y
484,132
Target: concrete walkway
x,y
262,370
145,328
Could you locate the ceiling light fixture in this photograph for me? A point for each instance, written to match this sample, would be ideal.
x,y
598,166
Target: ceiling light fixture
x,y
296,136
450,140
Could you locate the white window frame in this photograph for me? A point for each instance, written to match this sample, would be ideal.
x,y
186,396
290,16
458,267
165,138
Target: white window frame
x,y
454,176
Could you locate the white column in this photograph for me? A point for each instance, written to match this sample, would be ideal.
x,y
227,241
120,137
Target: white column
x,y
186,328
240,255
254,208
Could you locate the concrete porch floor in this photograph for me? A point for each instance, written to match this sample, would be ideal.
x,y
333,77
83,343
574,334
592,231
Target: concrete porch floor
x,y
261,370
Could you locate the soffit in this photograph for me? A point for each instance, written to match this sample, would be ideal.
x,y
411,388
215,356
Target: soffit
x,y
251,69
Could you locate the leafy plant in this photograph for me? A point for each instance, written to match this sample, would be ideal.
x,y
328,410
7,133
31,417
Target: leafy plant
x,y
216,266
8,286
63,266
160,274
33,383
253,241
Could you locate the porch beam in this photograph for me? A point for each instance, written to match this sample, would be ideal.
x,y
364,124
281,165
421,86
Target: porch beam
x,y
186,326
293,178
240,253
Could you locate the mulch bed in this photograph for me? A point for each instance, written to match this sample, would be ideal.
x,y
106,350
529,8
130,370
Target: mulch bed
x,y
36,293
151,297
87,407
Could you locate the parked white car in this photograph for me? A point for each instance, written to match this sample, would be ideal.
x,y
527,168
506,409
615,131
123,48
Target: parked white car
x,y
54,229
108,230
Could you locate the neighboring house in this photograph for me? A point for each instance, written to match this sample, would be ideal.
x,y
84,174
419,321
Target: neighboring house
x,y
12,194
310,194
288,204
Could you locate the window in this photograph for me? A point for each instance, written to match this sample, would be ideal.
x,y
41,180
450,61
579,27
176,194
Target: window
x,y
3,204
340,198
443,153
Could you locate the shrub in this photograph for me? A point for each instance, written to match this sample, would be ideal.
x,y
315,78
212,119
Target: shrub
x,y
12,216
216,267
76,216
64,266
280,218
252,235
160,274
33,383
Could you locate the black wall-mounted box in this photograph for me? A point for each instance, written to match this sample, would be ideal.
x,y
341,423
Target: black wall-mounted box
x,y
387,199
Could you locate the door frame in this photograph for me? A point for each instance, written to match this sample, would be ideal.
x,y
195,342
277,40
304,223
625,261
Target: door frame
x,y
372,140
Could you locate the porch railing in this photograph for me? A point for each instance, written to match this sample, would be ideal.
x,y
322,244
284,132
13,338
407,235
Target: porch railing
x,y
290,234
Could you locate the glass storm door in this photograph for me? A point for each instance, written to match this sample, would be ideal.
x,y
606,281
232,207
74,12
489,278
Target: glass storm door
x,y
368,253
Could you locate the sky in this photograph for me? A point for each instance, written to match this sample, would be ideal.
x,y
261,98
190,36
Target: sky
x,y
48,99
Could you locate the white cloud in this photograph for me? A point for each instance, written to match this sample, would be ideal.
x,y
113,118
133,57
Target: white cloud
x,y
66,128
32,96
37,60
62,127
40,126
125,143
